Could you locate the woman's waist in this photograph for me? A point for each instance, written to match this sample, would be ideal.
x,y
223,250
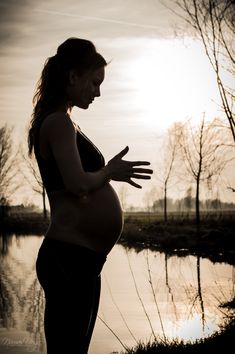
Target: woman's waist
x,y
99,241
72,255
67,247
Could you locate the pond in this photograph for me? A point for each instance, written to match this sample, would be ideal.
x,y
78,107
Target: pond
x,y
144,295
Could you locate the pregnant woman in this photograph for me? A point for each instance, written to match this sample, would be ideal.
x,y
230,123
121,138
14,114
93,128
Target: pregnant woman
x,y
85,214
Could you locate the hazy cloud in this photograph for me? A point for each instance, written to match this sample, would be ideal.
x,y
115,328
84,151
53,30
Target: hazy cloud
x,y
24,21
13,16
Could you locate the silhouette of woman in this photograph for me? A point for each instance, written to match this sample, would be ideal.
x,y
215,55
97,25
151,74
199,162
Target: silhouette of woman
x,y
85,214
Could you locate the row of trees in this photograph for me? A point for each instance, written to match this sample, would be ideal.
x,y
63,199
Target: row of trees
x,y
17,170
187,204
192,162
195,155
199,153
8,160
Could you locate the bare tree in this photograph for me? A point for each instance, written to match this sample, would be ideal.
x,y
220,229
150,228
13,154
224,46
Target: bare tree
x,y
34,177
214,22
188,200
169,160
8,166
204,153
148,199
123,193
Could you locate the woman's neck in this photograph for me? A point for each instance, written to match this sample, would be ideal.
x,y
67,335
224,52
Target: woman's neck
x,y
65,107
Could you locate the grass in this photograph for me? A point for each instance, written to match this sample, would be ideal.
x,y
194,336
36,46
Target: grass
x,y
214,238
24,223
220,342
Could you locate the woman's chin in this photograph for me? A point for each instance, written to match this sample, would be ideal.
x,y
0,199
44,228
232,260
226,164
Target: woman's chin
x,y
84,105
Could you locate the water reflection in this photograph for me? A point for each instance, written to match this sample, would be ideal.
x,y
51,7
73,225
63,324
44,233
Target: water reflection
x,y
144,296
21,297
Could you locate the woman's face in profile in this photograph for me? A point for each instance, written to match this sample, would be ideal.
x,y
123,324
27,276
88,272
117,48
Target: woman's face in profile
x,y
83,89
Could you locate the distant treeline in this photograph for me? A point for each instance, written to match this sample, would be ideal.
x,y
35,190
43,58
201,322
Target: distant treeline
x,y
188,204
185,204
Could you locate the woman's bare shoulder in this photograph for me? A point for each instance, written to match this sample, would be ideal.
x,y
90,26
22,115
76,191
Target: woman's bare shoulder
x,y
57,117
57,121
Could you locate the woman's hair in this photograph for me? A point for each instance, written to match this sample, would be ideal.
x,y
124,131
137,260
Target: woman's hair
x,y
74,53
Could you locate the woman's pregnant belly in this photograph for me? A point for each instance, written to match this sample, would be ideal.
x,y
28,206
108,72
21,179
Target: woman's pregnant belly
x,y
95,220
101,212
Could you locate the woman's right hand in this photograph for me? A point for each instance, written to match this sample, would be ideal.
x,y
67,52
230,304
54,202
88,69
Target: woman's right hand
x,y
121,170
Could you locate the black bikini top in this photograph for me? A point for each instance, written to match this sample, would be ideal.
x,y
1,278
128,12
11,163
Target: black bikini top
x,y
91,158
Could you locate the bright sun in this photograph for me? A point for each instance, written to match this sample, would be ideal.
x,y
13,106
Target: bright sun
x,y
172,81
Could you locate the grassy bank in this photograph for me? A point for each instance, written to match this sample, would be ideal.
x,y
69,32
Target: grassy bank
x,y
214,239
220,342
24,223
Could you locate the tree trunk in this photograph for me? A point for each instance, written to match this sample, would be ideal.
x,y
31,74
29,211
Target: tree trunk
x,y
165,202
197,202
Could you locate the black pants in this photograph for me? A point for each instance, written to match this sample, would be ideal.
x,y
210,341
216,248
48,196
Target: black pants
x,y
70,277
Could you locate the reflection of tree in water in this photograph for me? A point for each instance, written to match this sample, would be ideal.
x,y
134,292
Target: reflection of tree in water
x,y
35,315
139,297
154,295
120,312
200,293
21,296
5,243
194,294
169,287
6,296
198,296
6,303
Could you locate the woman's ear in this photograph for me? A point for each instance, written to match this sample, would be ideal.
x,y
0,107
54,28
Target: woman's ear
x,y
73,77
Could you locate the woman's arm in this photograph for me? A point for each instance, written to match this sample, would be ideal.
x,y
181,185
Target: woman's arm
x,y
61,136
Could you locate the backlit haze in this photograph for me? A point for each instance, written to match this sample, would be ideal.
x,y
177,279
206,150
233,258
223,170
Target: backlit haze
x,y
153,79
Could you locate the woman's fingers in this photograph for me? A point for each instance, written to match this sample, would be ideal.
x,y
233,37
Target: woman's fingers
x,y
122,153
142,170
134,184
140,176
138,163
123,170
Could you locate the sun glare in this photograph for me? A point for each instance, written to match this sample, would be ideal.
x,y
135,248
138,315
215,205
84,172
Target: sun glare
x,y
172,81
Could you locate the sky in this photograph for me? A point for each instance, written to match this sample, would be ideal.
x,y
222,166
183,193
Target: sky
x,y
154,77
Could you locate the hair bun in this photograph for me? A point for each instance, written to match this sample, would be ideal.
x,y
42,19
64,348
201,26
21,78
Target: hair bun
x,y
77,45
